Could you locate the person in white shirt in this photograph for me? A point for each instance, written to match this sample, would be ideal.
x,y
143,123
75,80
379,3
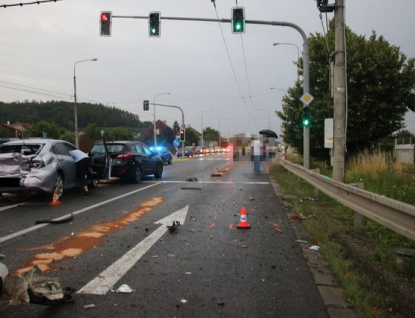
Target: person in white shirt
x,y
82,162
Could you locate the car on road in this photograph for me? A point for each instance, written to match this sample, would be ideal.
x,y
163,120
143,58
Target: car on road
x,y
31,166
130,160
164,153
201,150
189,151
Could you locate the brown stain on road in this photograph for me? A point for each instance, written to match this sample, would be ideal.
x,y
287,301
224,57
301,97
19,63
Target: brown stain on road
x,y
73,246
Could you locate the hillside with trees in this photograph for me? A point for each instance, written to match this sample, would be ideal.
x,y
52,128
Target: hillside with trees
x,y
61,113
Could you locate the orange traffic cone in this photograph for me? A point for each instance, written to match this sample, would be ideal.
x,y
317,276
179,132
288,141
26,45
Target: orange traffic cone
x,y
243,223
55,200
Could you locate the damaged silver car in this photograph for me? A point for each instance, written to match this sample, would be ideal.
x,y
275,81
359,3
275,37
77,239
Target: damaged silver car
x,y
30,166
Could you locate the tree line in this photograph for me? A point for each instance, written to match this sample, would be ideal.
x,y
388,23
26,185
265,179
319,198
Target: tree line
x,y
380,86
54,119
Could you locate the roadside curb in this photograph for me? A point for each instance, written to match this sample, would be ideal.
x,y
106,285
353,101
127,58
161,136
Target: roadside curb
x,y
331,293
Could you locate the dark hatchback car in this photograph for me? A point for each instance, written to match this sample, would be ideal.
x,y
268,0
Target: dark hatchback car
x,y
130,160
189,151
164,153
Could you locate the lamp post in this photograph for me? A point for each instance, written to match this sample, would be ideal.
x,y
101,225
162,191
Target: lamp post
x,y
269,117
219,129
298,53
280,89
205,111
154,118
74,95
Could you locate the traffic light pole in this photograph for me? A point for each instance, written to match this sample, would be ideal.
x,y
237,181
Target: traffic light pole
x,y
306,62
183,126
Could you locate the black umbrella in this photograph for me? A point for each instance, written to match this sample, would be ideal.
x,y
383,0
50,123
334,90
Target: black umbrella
x,y
268,133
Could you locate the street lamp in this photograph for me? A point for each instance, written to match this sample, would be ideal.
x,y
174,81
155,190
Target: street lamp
x,y
219,129
154,118
269,117
75,106
205,111
298,53
280,89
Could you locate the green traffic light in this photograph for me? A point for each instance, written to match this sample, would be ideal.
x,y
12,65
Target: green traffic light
x,y
238,20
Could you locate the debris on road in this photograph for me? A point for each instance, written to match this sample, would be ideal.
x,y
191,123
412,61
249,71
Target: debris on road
x,y
314,247
124,288
32,286
191,179
89,306
172,228
191,188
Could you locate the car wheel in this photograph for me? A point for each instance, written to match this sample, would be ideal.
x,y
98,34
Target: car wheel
x,y
59,185
170,161
137,175
159,171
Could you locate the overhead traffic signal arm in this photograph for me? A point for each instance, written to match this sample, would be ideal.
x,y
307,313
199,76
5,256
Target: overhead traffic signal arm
x,y
105,23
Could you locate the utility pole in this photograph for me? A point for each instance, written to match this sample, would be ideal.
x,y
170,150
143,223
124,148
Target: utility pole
x,y
339,93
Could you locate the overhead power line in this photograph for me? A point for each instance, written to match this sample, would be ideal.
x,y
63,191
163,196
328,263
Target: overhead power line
x,y
21,4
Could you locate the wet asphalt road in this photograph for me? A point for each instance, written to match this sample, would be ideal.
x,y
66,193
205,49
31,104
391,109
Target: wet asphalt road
x,y
206,268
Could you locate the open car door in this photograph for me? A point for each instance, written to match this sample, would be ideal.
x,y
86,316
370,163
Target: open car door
x,y
100,161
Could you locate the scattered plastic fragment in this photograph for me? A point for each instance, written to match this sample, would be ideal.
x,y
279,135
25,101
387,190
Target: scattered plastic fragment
x,y
124,288
303,217
315,247
301,241
172,228
188,273
251,199
183,301
295,217
89,306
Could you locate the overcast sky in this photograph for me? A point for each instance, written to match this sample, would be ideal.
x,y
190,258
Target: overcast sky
x,y
39,45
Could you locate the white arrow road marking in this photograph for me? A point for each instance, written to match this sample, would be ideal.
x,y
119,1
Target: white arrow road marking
x,y
101,284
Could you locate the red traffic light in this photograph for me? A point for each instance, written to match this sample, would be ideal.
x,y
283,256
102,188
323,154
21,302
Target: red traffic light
x,y
182,135
105,23
104,17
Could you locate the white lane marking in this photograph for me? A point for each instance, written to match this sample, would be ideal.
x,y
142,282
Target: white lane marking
x,y
215,182
101,284
11,206
33,228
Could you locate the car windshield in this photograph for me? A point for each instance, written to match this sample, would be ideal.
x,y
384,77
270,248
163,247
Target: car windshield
x,y
25,149
99,149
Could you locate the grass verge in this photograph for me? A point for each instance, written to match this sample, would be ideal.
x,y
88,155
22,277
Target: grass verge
x,y
364,265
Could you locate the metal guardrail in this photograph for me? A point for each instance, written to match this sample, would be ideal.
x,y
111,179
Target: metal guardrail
x,y
393,214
